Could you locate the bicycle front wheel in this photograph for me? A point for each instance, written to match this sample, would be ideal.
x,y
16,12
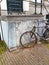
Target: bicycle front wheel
x,y
28,39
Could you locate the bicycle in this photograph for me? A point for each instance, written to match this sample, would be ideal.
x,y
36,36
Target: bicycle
x,y
29,38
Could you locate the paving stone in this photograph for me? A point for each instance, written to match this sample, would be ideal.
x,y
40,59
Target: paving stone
x,y
38,55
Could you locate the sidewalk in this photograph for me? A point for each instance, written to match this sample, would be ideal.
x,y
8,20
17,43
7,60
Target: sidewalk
x,y
39,55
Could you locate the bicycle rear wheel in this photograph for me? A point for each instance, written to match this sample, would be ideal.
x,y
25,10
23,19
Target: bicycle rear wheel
x,y
28,39
46,35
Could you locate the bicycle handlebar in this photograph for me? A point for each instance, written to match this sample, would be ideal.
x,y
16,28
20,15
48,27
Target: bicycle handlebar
x,y
40,26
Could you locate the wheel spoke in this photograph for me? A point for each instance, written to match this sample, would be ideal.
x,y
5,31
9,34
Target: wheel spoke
x,y
28,38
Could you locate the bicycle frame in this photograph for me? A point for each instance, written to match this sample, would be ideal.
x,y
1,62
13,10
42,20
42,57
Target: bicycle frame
x,y
34,31
32,34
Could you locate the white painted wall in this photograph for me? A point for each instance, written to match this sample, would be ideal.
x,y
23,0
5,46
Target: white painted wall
x,y
25,6
13,31
23,27
27,26
37,0
5,31
12,35
3,5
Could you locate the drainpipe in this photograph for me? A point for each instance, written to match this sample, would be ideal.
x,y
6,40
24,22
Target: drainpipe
x,y
35,6
0,21
1,33
41,8
0,18
0,7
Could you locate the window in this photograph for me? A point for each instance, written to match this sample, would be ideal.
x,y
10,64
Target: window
x,y
14,6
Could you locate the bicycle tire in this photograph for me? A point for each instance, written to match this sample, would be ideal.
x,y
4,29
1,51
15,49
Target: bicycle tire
x,y
31,42
47,36
46,33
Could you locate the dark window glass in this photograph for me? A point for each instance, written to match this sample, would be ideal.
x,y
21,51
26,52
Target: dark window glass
x,y
15,6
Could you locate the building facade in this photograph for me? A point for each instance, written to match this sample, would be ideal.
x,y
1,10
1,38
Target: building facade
x,y
29,7
14,25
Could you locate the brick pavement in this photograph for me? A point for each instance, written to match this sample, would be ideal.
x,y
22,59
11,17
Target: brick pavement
x,y
38,55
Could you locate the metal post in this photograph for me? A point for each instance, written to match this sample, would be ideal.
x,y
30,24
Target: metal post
x,y
0,7
0,17
41,7
35,6
0,22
